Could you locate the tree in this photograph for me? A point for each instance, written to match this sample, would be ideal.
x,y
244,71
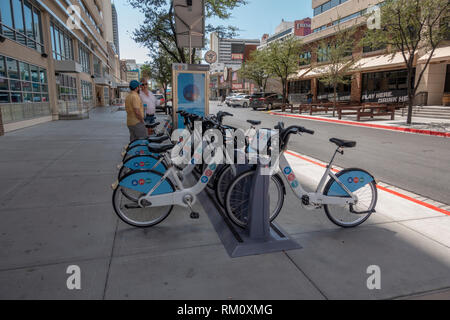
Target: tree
x,y
254,69
407,27
146,71
281,59
161,70
336,52
158,29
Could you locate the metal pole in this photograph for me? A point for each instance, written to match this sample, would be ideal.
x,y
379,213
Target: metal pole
x,y
190,45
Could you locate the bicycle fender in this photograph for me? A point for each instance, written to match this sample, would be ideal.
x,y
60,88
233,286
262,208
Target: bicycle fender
x,y
144,163
140,151
144,181
138,143
352,179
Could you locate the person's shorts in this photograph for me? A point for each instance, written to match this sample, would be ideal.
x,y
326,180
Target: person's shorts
x,y
138,131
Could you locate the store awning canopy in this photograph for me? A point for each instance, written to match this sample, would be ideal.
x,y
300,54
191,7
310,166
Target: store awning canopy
x,y
440,54
320,71
299,74
380,62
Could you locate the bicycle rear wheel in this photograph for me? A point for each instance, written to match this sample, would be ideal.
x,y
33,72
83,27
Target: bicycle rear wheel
x,y
237,198
351,216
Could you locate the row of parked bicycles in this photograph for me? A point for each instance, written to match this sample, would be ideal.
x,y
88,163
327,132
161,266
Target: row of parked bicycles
x,y
150,183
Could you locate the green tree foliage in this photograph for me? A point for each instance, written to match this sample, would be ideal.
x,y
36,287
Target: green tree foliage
x,y
254,69
158,29
161,70
281,59
336,52
411,27
146,71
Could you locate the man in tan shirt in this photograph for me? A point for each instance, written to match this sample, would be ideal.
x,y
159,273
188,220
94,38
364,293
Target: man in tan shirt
x,y
135,113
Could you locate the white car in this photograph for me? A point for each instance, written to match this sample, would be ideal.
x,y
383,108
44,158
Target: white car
x,y
231,96
241,101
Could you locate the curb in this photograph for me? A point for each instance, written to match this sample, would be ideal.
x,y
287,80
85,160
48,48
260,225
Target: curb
x,y
367,125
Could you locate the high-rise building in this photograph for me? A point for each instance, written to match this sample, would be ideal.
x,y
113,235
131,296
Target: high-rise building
x,y
54,62
115,28
297,28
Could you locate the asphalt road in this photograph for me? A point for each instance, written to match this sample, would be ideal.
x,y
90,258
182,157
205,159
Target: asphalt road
x,y
416,163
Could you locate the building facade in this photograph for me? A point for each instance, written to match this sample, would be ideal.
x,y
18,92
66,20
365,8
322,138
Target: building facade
x,y
231,54
297,28
377,77
57,59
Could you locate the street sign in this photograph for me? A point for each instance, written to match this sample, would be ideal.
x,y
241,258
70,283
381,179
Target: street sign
x,y
211,57
190,23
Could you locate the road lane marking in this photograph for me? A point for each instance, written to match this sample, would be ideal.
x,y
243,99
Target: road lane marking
x,y
395,193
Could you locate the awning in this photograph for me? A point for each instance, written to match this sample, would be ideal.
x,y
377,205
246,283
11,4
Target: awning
x,y
380,62
67,66
320,71
440,55
299,74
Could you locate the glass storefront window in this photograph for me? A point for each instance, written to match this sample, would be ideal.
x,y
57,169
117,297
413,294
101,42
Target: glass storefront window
x,y
2,67
4,84
67,88
34,73
22,79
15,85
16,97
24,71
11,65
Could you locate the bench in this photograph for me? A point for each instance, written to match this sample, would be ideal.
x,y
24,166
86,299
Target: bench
x,y
367,110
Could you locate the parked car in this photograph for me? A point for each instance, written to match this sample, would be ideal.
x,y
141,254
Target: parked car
x,y
266,100
231,96
240,101
160,101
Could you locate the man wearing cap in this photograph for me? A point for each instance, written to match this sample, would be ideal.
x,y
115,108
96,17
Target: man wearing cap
x,y
135,113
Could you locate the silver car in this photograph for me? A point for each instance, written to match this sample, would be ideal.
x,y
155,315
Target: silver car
x,y
231,96
240,101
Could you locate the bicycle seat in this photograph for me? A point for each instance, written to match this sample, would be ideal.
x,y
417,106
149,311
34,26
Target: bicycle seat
x,y
158,139
157,148
343,143
254,122
153,125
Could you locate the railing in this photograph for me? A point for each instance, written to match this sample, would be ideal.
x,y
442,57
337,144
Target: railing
x,y
74,109
15,112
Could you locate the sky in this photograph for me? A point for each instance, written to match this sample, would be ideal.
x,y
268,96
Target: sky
x,y
254,19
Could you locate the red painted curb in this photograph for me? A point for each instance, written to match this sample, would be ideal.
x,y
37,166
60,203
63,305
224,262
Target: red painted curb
x,y
395,193
375,126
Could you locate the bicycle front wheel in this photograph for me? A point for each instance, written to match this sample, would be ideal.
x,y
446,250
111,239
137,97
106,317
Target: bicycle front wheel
x,y
351,216
237,198
130,213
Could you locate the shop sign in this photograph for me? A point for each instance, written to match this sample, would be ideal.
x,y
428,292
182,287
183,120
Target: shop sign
x,y
395,96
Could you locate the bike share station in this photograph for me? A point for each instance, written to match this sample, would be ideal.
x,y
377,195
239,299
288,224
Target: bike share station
x,y
190,94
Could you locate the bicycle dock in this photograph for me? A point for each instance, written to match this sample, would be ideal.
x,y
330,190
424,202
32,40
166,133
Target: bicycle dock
x,y
260,236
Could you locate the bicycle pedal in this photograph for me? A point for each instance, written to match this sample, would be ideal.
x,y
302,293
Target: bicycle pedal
x,y
195,215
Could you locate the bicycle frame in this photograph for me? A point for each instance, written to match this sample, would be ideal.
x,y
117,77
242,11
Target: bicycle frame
x,y
317,198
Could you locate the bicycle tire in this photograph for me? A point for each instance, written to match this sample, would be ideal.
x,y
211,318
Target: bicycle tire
x,y
331,212
161,213
236,201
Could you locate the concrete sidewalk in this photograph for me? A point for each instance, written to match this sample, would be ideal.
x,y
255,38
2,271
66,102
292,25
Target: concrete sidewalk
x,y
55,208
